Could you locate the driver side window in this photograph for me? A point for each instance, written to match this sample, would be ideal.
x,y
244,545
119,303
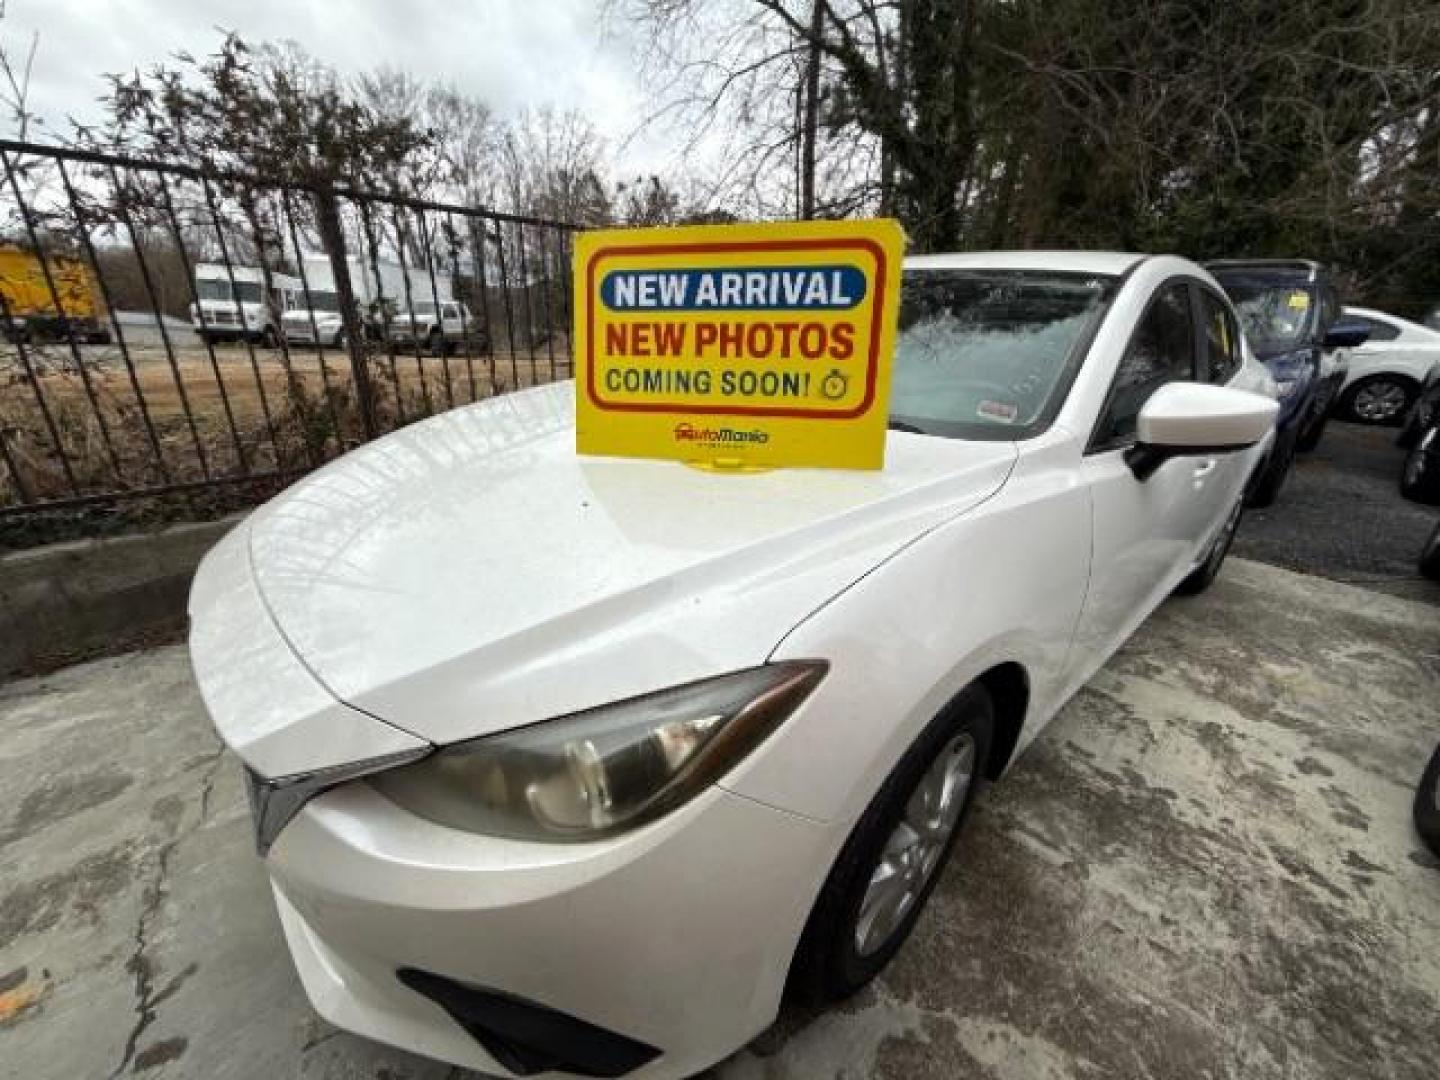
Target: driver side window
x,y
1161,351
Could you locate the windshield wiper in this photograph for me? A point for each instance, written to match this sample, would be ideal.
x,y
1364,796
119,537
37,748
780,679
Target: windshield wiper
x,y
901,425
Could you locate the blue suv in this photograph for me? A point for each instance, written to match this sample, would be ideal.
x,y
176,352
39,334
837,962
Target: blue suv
x,y
1290,312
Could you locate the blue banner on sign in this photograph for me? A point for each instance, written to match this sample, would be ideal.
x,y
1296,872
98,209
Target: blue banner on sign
x,y
759,288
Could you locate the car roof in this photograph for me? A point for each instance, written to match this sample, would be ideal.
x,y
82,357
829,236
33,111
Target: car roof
x,y
1309,267
1078,262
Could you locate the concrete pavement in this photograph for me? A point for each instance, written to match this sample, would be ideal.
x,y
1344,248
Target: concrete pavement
x,y
1204,867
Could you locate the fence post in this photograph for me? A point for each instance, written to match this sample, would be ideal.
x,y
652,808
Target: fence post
x,y
332,237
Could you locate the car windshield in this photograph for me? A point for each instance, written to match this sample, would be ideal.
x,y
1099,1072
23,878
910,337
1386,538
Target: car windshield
x,y
990,354
424,307
322,301
1274,309
219,289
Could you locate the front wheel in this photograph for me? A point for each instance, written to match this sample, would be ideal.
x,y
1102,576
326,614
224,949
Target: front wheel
x,y
893,857
1200,579
1310,438
1427,804
1265,485
1420,478
1430,556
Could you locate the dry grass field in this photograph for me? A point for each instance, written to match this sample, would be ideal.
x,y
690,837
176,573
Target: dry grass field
x,y
236,414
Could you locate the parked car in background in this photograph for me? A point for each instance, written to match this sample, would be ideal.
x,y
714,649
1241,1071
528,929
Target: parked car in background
x,y
1430,568
1426,809
1420,475
1290,312
438,329
30,304
1424,411
578,765
232,305
1386,372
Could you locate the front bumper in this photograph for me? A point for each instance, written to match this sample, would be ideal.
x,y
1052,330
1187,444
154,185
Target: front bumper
x,y
678,935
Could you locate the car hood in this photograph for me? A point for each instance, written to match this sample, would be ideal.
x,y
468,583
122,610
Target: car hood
x,y
473,573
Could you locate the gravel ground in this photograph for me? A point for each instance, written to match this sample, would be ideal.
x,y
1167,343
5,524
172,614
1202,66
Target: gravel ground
x,y
1341,516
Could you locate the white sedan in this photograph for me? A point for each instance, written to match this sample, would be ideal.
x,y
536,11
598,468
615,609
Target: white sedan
x,y
1387,371
576,764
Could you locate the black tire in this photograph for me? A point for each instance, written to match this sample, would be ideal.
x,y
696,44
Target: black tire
x,y
1264,487
1310,437
1420,477
1402,389
828,965
435,343
1410,431
1200,579
268,338
1427,804
1430,556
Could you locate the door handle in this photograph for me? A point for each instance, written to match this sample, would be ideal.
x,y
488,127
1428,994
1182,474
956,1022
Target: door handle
x,y
1205,468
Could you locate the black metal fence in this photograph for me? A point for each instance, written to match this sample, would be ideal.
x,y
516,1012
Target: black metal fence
x,y
168,331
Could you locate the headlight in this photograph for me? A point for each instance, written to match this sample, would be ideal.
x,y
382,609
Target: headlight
x,y
600,772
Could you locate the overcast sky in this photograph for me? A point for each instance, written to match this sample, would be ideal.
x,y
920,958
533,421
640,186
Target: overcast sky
x,y
509,53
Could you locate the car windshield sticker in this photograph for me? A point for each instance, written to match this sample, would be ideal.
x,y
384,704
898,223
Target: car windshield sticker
x,y
1299,300
1003,411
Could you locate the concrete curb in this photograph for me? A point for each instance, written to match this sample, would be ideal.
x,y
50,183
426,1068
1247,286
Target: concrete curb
x,y
68,602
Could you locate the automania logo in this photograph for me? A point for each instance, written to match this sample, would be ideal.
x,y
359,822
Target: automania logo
x,y
687,432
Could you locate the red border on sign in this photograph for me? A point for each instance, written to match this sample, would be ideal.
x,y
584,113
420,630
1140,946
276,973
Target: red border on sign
x,y
876,321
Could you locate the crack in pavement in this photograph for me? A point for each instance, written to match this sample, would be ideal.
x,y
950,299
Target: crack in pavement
x,y
139,964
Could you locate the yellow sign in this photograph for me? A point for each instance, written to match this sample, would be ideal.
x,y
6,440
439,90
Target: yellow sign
x,y
737,345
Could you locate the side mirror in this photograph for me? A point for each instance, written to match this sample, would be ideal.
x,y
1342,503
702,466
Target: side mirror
x,y
1346,334
1183,419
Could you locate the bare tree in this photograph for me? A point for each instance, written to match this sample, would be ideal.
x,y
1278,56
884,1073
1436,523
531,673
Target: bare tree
x,y
549,164
16,73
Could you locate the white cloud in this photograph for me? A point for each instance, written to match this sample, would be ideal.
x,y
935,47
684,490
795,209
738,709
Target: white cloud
x,y
511,54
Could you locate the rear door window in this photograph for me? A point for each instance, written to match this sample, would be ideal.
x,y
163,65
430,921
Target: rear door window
x,y
1381,331
1221,356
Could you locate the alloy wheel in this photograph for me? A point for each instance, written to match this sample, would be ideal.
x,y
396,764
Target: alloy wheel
x,y
913,850
1379,401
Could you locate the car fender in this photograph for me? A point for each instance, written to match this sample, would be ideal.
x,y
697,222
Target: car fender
x,y
1003,583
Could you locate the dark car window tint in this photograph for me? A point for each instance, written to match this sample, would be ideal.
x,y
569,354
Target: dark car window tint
x,y
1380,331
1162,351
1222,340
1329,309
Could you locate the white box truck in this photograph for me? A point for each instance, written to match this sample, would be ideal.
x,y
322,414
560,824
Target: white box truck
x,y
322,315
231,304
